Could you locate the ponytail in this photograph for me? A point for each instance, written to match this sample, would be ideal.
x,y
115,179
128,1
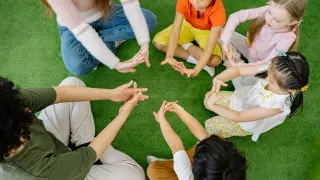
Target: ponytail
x,y
297,102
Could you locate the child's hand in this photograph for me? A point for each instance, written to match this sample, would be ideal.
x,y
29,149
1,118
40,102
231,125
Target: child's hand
x,y
230,53
217,83
173,107
190,73
126,109
143,54
178,66
213,100
160,114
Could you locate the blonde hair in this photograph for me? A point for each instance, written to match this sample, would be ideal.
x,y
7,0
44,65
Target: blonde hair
x,y
294,7
103,5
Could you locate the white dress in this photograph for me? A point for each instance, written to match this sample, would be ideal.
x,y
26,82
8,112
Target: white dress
x,y
257,96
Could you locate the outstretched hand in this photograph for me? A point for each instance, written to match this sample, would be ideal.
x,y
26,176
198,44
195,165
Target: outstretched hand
x,y
178,66
126,109
160,115
143,55
217,83
230,53
125,92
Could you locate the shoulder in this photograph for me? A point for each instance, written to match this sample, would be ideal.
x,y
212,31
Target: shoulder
x,y
182,165
217,5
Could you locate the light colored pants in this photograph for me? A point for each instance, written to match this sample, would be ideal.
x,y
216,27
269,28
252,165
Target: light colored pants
x,y
239,42
74,122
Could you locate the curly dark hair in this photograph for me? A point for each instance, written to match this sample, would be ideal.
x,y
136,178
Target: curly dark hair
x,y
14,118
218,159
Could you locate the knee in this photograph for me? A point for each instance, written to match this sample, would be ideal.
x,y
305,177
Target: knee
x,y
214,61
151,19
134,173
72,81
206,97
159,46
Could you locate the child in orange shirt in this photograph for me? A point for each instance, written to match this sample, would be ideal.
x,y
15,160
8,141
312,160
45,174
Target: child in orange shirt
x,y
195,20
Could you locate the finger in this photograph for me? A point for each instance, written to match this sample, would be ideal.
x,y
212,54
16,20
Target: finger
x,y
177,68
131,70
127,85
136,91
143,97
136,97
135,85
224,84
155,114
148,62
170,103
164,62
170,109
163,105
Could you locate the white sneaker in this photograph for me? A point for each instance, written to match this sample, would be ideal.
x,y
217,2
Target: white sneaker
x,y
150,159
118,43
210,70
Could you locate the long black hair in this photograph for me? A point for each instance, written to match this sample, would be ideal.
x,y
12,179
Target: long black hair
x,y
291,73
14,118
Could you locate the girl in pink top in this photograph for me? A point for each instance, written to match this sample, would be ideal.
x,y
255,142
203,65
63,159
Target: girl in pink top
x,y
90,31
275,29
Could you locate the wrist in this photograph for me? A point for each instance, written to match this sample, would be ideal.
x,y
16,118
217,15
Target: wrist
x,y
162,120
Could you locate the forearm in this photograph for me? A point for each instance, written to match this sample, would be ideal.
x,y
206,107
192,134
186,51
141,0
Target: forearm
x,y
76,94
174,35
203,61
229,74
137,20
207,53
226,113
173,41
193,124
172,139
104,139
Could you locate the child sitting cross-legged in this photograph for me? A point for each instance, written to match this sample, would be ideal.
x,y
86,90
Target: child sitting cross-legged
x,y
212,158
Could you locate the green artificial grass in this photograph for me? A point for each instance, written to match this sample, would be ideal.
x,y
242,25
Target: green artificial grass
x,y
30,56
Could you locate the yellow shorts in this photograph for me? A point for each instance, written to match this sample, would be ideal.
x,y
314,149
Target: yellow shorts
x,y
188,34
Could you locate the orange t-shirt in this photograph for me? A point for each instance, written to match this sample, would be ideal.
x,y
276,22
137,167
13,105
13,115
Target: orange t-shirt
x,y
213,16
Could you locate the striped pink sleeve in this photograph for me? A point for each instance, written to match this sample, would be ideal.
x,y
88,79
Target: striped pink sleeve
x,y
238,17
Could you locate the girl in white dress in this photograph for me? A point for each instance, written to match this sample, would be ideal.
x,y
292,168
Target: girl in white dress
x,y
255,109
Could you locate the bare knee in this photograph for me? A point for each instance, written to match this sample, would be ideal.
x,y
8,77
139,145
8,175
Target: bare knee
x,y
214,61
159,46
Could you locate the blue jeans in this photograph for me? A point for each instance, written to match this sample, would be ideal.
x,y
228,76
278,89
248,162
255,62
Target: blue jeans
x,y
117,28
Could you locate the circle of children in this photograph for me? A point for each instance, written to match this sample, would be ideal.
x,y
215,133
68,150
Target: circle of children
x,y
268,75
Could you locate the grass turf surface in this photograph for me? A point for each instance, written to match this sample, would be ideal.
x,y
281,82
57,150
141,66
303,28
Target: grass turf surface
x,y
30,56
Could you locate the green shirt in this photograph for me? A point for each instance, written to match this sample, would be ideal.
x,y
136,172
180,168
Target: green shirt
x,y
44,157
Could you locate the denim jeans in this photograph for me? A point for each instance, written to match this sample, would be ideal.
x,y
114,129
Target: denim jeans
x,y
117,28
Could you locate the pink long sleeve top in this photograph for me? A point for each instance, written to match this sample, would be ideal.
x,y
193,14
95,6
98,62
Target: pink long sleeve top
x,y
267,43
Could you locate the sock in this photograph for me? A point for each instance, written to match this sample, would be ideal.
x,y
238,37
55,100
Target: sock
x,y
150,159
210,70
186,45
